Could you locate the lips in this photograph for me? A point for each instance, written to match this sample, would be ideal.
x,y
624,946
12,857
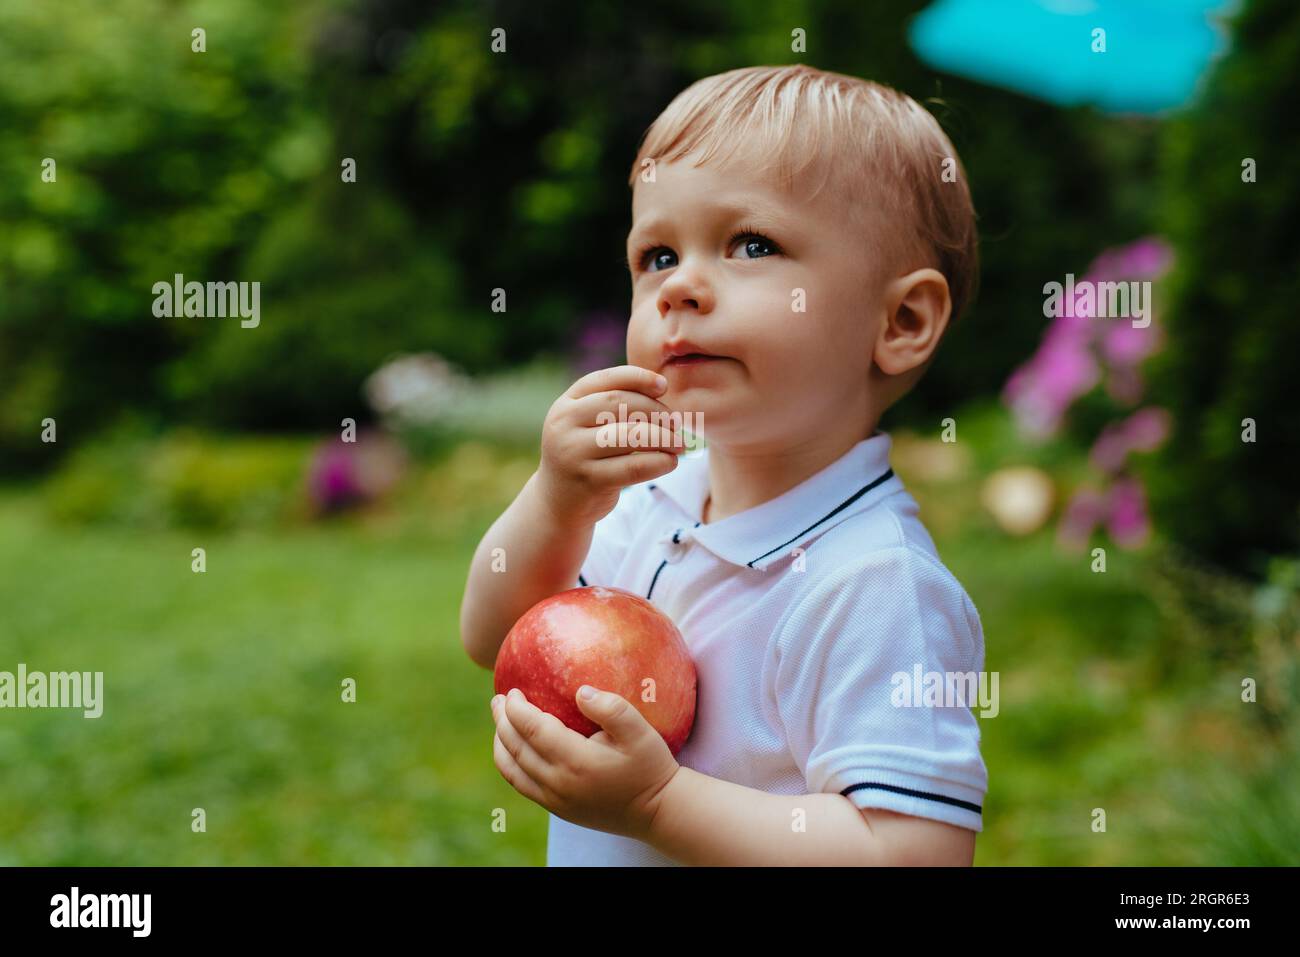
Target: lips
x,y
685,352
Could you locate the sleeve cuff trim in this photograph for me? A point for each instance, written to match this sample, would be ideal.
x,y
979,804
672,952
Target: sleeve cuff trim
x,y
909,792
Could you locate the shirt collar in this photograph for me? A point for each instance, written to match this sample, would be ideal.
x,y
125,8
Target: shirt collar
x,y
766,533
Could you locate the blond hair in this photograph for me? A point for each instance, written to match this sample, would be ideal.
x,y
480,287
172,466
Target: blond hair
x,y
886,155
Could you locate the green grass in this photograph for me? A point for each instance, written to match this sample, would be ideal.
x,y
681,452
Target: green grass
x,y
222,692
1095,715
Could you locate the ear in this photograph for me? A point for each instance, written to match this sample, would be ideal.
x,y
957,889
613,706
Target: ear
x,y
917,307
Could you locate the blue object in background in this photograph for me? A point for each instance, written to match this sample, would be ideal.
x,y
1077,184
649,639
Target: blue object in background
x,y
1156,50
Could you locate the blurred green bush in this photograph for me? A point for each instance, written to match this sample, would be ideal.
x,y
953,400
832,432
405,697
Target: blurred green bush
x,y
1233,336
223,165
167,161
184,479
475,172
433,406
479,172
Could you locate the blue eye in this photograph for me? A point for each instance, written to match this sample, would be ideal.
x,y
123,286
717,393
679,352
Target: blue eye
x,y
647,250
754,237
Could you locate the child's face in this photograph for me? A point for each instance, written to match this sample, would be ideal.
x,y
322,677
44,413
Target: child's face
x,y
794,319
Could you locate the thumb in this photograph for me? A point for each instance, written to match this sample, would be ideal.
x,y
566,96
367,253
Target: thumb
x,y
612,712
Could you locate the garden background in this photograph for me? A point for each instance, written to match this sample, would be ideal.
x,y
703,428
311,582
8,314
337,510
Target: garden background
x,y
128,440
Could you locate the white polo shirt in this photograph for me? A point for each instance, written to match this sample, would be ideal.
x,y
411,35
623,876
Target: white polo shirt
x,y
799,613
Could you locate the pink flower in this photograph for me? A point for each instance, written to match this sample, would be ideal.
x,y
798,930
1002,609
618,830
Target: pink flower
x,y
1143,431
1128,524
1148,428
1123,343
1146,258
1123,509
1123,349
1041,390
1078,348
1077,351
1086,509
341,473
333,478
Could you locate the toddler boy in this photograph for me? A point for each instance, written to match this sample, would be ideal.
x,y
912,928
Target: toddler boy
x,y
800,242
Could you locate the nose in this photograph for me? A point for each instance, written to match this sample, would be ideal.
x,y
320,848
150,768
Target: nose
x,y
685,289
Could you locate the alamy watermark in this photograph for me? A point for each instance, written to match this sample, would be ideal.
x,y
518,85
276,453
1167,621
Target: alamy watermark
x,y
55,689
213,300
679,422
1102,300
946,689
130,911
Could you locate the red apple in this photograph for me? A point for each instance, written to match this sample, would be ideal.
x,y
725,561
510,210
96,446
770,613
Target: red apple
x,y
610,639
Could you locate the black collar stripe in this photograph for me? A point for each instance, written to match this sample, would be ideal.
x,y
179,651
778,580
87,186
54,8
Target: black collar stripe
x,y
655,579
838,508
918,794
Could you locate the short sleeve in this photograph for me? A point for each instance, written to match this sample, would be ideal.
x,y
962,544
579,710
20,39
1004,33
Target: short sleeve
x,y
612,536
876,672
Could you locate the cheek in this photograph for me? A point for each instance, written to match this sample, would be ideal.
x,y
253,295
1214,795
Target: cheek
x,y
802,347
641,346
790,339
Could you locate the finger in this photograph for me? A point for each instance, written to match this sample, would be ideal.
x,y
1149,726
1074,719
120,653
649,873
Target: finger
x,y
614,713
619,377
515,776
618,403
620,437
545,733
533,764
619,419
631,469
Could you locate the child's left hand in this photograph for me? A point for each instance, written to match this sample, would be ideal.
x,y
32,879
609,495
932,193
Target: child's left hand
x,y
611,781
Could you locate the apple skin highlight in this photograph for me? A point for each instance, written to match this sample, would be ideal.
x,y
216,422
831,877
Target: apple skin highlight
x,y
610,639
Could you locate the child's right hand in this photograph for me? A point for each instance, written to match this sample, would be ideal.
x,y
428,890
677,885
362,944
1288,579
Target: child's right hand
x,y
586,464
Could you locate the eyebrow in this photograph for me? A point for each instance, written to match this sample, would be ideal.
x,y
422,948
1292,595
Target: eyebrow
x,y
755,210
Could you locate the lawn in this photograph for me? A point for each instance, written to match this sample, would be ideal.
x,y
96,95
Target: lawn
x,y
223,692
